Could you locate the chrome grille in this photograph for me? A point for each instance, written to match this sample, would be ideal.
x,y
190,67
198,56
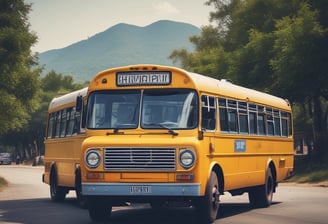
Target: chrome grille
x,y
146,159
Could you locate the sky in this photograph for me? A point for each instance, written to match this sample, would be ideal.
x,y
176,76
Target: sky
x,y
60,23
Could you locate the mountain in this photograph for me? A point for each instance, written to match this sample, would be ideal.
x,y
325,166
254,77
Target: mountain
x,y
122,44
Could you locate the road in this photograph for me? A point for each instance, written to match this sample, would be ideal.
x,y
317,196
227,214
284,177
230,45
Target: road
x,y
26,200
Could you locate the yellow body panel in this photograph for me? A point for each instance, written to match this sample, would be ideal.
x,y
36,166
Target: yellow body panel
x,y
65,154
240,169
213,149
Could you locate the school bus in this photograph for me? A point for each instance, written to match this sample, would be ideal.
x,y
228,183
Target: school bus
x,y
64,137
161,135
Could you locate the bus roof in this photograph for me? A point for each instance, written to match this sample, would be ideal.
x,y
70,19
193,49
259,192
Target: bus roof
x,y
226,88
207,84
63,101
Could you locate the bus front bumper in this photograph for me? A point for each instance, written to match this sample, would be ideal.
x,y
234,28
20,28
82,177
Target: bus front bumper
x,y
138,189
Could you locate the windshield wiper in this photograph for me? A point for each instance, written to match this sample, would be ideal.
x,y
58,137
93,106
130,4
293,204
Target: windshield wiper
x,y
170,130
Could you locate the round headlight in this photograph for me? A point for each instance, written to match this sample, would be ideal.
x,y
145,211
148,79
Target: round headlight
x,y
92,159
187,158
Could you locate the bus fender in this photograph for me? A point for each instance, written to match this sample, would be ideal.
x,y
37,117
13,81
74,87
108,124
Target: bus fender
x,y
271,165
214,166
53,167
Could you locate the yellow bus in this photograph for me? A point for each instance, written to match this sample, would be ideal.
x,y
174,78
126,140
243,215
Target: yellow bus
x,y
64,136
161,135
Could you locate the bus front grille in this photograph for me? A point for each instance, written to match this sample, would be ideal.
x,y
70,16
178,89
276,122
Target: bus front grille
x,y
136,159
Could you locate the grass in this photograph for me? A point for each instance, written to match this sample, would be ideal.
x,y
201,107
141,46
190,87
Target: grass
x,y
3,183
309,171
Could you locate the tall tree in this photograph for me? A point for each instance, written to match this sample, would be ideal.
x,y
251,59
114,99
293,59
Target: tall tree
x,y
299,66
19,77
28,141
276,46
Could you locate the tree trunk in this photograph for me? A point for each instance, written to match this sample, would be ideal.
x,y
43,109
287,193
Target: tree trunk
x,y
320,130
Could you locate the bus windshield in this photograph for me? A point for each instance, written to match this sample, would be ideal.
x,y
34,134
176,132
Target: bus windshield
x,y
151,108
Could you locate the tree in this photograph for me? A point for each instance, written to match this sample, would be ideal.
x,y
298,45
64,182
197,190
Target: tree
x,y
28,141
300,55
276,46
19,76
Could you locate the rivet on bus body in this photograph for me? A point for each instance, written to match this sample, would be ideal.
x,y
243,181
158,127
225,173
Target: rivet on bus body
x,y
104,81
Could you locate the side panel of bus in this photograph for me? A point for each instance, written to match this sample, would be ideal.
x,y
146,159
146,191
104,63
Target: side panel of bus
x,y
64,154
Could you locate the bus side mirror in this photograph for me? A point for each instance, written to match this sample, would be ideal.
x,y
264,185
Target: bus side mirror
x,y
79,103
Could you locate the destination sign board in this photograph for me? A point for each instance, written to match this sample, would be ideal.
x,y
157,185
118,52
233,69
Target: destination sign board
x,y
139,78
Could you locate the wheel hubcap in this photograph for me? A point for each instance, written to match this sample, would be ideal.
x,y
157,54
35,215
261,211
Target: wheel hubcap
x,y
215,197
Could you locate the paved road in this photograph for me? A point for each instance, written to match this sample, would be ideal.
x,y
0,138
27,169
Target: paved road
x,y
26,201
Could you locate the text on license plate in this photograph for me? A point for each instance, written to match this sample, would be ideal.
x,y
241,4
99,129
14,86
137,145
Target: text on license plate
x,y
140,189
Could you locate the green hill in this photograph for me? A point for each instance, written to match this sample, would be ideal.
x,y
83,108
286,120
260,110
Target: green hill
x,y
122,44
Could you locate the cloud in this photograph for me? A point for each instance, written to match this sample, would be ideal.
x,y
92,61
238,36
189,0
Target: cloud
x,y
166,7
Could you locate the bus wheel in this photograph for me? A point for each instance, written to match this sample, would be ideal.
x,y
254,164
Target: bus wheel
x,y
82,200
57,193
261,196
207,207
99,210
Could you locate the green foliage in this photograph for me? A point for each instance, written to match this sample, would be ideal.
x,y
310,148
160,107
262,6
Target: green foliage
x,y
19,80
29,140
3,182
275,46
307,170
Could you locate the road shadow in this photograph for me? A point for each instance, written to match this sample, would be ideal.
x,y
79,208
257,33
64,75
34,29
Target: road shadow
x,y
40,211
147,215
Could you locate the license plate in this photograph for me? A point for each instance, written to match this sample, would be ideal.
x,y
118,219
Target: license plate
x,y
140,189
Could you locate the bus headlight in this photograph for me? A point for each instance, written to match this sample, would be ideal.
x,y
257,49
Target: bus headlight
x,y
187,158
92,158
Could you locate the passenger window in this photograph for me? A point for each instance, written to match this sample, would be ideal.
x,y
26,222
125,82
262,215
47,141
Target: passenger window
x,y
223,114
261,121
208,113
276,120
252,118
269,117
51,124
232,116
70,125
243,117
63,123
57,125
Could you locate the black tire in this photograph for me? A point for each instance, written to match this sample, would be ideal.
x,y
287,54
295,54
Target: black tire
x,y
57,193
261,196
99,209
208,206
82,200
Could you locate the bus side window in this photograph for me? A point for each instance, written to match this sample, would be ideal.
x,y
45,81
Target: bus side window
x,y
63,123
290,125
223,114
276,120
57,124
208,113
51,123
77,122
261,121
232,116
70,125
243,117
252,118
270,123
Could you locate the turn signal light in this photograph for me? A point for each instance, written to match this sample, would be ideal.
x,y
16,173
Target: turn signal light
x,y
185,176
92,175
